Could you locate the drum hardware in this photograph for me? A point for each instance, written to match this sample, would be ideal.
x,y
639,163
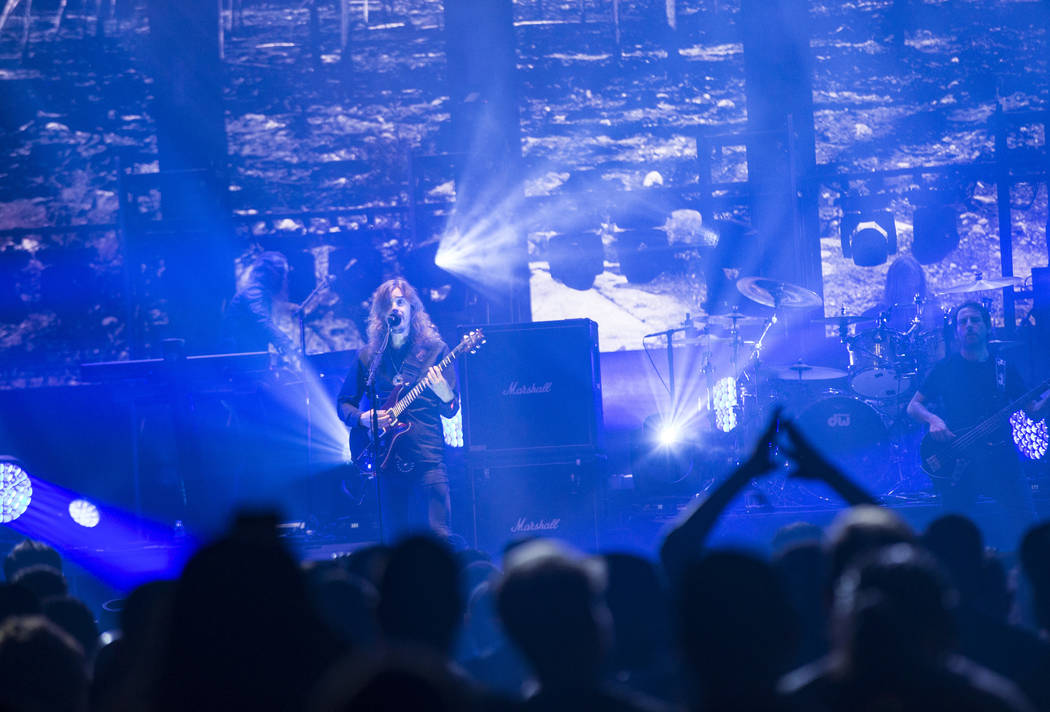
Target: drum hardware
x,y
734,321
852,435
980,284
800,371
776,294
843,320
879,360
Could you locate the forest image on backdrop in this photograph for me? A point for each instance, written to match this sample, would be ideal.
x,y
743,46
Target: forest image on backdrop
x,y
311,127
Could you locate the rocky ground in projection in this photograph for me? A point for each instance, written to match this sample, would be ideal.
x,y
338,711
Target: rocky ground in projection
x,y
305,135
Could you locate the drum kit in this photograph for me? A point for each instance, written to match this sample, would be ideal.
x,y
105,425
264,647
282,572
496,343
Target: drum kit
x,y
855,416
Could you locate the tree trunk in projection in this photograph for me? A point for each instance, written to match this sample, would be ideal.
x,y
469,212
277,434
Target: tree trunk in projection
x,y
779,85
193,239
486,131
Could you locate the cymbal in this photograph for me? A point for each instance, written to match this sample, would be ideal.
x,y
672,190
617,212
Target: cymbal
x,y
804,372
1004,344
774,293
982,285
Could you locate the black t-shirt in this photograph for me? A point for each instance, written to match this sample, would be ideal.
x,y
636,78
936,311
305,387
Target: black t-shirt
x,y
967,392
424,441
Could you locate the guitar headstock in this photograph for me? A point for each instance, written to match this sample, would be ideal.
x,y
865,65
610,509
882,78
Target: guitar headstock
x,y
472,340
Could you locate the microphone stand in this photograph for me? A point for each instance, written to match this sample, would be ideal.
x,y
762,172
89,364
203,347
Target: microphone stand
x,y
301,309
667,334
373,439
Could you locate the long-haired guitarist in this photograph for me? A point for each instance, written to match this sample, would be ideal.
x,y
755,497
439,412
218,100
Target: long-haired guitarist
x,y
414,484
968,450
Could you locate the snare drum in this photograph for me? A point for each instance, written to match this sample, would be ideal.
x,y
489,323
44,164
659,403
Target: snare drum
x,y
880,366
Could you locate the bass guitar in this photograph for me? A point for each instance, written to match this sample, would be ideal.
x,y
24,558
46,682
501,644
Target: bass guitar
x,y
397,403
944,461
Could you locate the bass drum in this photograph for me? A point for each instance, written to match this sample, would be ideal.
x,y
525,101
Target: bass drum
x,y
852,435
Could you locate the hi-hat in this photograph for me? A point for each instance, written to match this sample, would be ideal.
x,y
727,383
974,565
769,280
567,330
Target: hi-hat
x,y
799,371
774,293
734,320
980,284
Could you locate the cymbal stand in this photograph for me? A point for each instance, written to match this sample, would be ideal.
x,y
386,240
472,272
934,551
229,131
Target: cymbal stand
x,y
707,368
897,430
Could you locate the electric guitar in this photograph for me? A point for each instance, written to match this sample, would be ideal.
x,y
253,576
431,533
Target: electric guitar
x,y
944,460
396,403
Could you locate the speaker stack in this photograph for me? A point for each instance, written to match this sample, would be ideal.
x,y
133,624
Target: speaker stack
x,y
533,433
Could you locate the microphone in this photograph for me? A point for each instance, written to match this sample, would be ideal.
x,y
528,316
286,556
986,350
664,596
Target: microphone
x,y
394,320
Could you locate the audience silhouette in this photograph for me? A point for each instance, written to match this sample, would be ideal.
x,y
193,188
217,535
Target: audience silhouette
x,y
863,614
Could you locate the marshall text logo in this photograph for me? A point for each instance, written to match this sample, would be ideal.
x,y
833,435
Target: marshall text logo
x,y
516,389
542,525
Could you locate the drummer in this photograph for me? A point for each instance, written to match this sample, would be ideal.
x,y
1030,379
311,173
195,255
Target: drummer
x,y
905,293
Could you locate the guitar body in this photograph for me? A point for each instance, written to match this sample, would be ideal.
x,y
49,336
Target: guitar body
x,y
946,461
940,460
361,446
361,440
396,404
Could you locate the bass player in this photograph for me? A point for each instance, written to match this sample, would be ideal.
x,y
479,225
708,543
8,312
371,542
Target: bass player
x,y
414,481
967,389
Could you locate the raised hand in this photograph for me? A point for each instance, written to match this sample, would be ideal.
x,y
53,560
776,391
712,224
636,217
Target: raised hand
x,y
810,464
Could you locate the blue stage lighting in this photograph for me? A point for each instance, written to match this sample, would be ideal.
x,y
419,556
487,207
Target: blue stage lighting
x,y
16,490
84,513
669,434
452,429
662,455
1030,437
725,404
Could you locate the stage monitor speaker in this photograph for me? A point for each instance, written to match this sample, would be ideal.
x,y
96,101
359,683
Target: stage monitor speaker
x,y
533,390
518,502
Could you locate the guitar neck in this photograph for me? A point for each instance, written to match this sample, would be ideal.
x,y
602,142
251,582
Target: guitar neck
x,y
1008,410
407,399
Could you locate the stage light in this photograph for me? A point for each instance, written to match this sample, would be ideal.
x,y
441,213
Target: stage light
x,y
868,237
936,233
452,429
444,293
725,402
16,490
668,434
84,513
662,456
576,259
1030,437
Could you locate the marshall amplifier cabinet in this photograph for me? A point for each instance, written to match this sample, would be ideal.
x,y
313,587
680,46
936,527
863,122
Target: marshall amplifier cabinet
x,y
533,391
554,500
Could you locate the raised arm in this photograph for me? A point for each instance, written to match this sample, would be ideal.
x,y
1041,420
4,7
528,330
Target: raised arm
x,y
688,535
